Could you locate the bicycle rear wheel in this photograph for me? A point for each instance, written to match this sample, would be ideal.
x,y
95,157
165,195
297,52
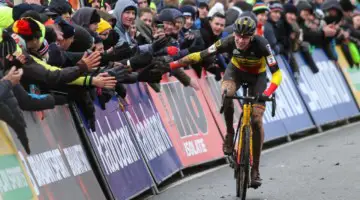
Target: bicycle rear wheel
x,y
243,170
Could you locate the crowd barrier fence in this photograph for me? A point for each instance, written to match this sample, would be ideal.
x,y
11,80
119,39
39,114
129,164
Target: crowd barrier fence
x,y
142,140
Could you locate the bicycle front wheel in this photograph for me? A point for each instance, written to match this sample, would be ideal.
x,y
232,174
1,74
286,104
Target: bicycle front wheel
x,y
243,170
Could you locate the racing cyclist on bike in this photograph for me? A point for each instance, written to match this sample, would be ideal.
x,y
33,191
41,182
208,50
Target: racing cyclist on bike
x,y
250,54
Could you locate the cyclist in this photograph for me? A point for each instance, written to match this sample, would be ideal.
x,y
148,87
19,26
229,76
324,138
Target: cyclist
x,y
250,54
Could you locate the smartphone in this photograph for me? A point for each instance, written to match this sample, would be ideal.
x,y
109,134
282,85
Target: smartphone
x,y
160,26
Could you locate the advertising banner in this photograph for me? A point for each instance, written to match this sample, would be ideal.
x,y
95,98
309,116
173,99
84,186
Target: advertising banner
x,y
351,74
119,158
150,133
57,165
14,180
312,89
335,86
188,121
212,92
290,108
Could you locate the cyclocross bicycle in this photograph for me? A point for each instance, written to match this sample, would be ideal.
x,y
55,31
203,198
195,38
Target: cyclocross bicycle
x,y
242,157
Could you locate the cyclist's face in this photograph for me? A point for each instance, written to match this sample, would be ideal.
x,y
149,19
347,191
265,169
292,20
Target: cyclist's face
x,y
242,42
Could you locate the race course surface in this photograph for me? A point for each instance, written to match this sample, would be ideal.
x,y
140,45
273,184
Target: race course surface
x,y
321,167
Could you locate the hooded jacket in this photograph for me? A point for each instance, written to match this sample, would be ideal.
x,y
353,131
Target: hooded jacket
x,y
82,17
124,35
119,27
332,4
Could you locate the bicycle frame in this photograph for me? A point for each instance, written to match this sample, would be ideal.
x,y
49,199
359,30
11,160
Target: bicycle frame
x,y
246,121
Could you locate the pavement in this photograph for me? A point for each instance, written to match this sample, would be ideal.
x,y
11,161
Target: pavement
x,y
321,167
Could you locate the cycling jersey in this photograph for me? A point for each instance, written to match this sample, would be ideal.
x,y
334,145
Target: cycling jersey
x,y
252,60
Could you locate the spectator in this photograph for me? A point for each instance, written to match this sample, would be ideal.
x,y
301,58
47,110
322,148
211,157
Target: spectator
x,y
62,8
261,10
203,10
211,32
103,29
189,14
316,34
143,24
88,18
271,27
143,3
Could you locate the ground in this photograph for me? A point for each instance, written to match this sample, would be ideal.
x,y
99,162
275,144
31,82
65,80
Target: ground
x,y
321,167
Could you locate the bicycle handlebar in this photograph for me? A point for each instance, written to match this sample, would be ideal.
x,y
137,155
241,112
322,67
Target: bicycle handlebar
x,y
251,99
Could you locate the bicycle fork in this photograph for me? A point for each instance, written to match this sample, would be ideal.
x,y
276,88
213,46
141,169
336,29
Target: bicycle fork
x,y
245,122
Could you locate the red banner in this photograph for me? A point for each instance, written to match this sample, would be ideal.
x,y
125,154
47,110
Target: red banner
x,y
188,120
212,92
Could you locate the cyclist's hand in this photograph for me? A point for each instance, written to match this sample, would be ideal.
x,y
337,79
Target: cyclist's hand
x,y
262,97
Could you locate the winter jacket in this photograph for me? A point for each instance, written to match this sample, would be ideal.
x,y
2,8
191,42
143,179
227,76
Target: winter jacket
x,y
6,18
39,72
271,34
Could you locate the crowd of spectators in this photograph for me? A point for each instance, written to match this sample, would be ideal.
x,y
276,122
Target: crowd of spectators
x,y
52,53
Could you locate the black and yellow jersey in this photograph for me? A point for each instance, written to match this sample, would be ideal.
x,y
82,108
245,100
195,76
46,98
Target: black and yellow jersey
x,y
252,60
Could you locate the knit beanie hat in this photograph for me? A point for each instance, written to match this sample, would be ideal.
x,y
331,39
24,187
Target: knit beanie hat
x,y
260,7
27,28
188,11
275,6
290,8
103,26
304,5
169,15
7,44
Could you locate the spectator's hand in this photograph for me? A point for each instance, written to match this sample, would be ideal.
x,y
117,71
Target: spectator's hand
x,y
103,80
107,7
194,85
90,61
329,30
14,75
21,58
189,36
159,44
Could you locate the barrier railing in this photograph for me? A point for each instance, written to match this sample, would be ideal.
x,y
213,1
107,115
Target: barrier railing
x,y
143,140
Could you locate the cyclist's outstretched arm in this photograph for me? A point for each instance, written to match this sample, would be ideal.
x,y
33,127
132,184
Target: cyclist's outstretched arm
x,y
219,47
274,69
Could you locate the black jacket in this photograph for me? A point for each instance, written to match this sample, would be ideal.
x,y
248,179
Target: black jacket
x,y
271,34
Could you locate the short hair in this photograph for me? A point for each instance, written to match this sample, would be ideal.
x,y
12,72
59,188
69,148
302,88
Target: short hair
x,y
144,10
219,15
